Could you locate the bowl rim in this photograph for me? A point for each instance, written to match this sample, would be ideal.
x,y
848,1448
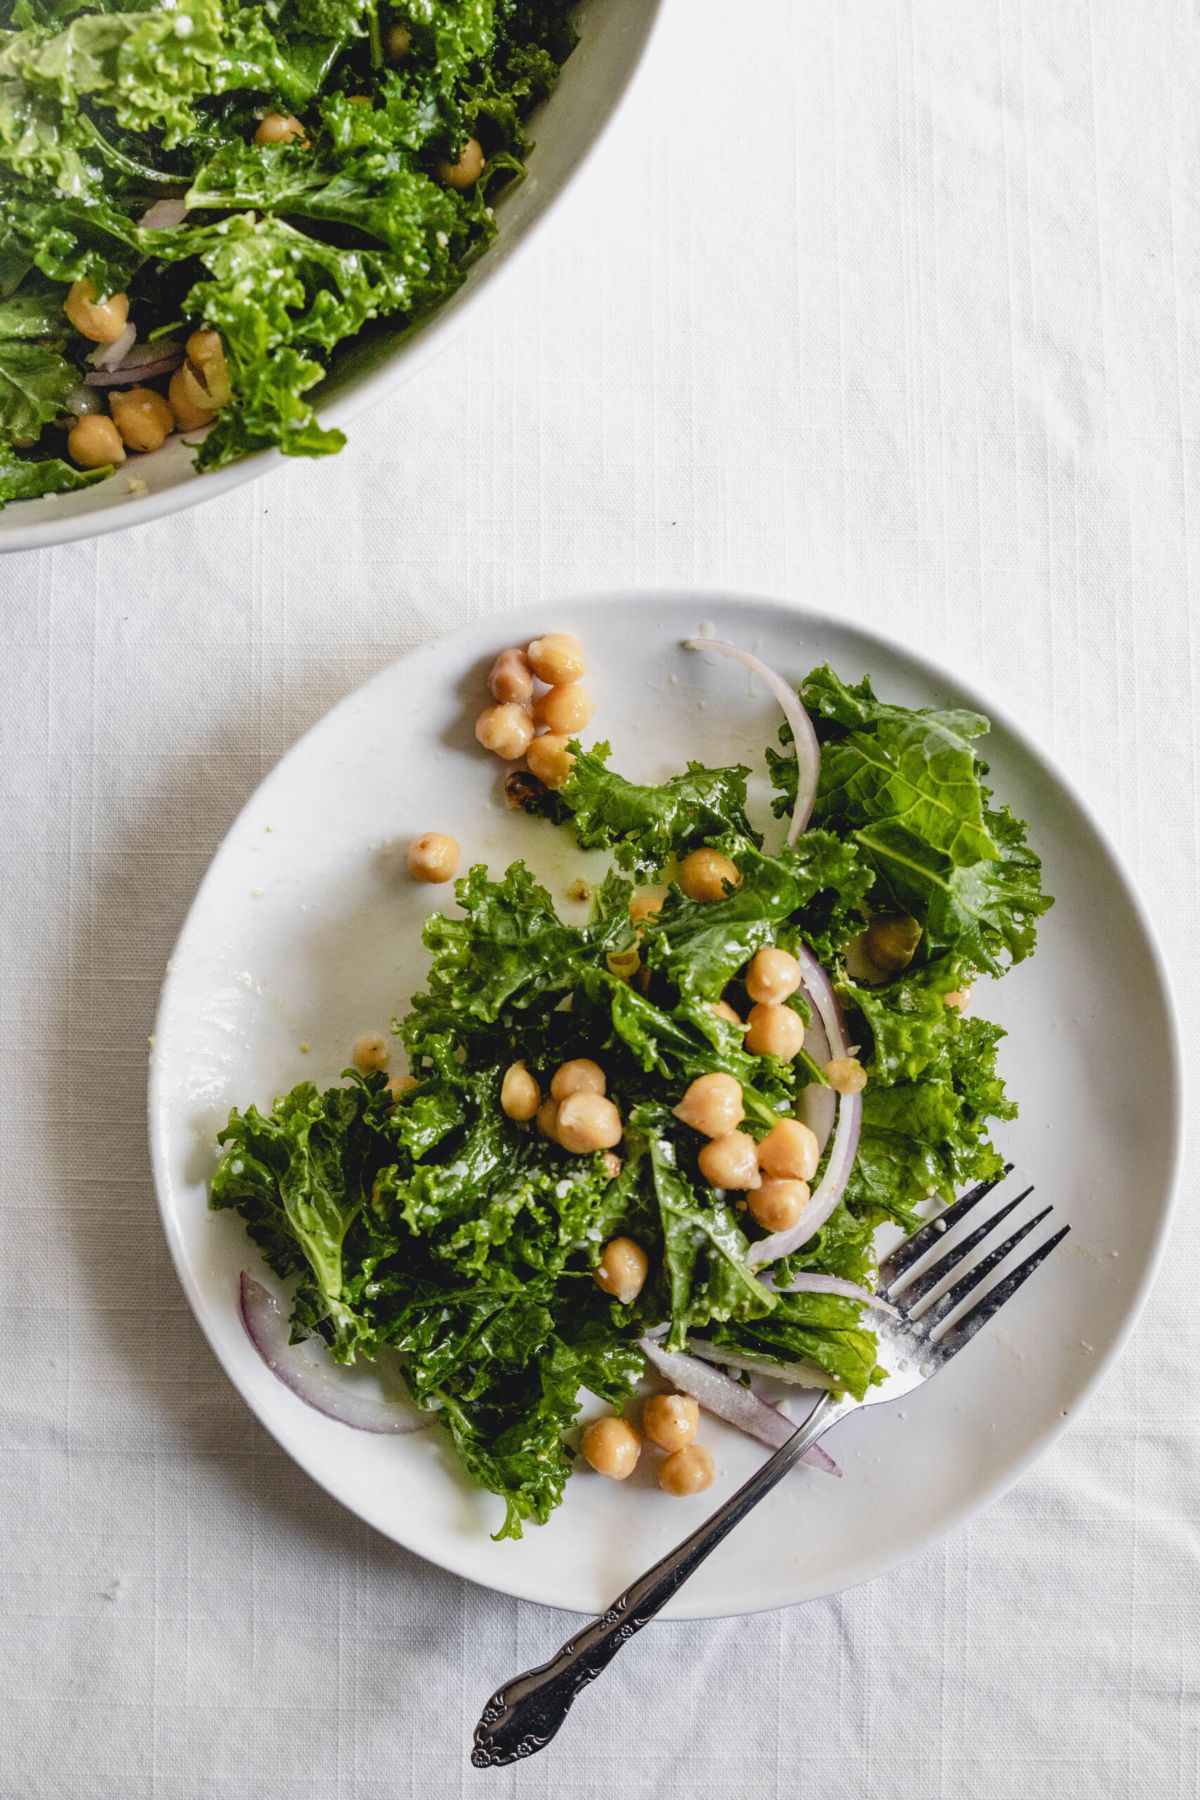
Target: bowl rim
x,y
406,361
509,1582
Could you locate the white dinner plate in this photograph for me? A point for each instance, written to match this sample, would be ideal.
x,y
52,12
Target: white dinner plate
x,y
306,932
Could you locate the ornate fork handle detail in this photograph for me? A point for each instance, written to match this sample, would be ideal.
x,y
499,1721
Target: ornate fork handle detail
x,y
523,1715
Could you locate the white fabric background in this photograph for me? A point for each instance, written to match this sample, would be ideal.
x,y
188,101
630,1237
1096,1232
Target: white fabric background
x,y
887,304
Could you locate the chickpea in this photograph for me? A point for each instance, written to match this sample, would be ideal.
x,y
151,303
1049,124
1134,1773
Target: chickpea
x,y
557,658
612,1164
206,352
547,1120
687,1471
790,1149
670,1420
567,708
774,1031
94,441
723,1010
142,417
846,1075
587,1122
645,906
612,1447
778,1205
622,1269
400,1084
370,1052
189,412
730,1161
399,42
101,320
580,1076
958,998
550,760
707,875
280,128
712,1105
773,976
506,729
511,678
520,1095
466,168
433,857
891,944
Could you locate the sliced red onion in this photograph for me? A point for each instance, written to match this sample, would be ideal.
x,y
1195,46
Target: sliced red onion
x,y
164,214
808,751
797,1374
833,1284
324,1389
143,363
111,356
730,1401
817,1105
819,990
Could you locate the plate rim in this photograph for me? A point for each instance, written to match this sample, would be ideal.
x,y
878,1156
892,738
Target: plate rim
x,y
929,669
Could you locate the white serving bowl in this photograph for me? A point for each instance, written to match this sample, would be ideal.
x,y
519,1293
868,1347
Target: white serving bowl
x,y
595,79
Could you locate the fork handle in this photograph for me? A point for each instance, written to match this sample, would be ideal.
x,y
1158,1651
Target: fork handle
x,y
522,1716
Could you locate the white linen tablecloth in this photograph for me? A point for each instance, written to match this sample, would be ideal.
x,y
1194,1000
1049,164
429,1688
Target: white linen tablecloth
x,y
890,307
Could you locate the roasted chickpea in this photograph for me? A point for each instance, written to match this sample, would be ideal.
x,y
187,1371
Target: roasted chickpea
x,y
142,417
520,1095
400,1084
730,1161
774,1031
280,128
707,875
399,42
587,1122
550,760
612,1447
773,976
433,857
94,441
557,658
102,321
206,353
567,708
507,730
188,411
724,1011
547,1119
790,1149
778,1204
958,998
846,1075
579,1076
670,1420
622,1269
370,1052
466,168
712,1105
891,943
644,906
687,1471
511,678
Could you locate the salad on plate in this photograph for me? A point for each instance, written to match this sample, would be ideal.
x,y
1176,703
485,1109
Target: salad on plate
x,y
655,1146
204,199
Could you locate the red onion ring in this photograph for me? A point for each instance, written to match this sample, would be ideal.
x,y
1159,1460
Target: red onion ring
x,y
833,1284
808,751
730,1401
321,1388
164,214
155,359
111,356
819,990
797,1374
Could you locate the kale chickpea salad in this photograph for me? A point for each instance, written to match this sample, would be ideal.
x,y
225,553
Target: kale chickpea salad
x,y
203,198
658,1143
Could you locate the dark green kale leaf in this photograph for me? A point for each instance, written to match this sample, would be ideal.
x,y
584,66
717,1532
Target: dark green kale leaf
x,y
22,478
34,383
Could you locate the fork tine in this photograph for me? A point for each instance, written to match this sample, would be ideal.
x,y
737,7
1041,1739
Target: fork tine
x,y
926,1236
965,1328
966,1284
928,1279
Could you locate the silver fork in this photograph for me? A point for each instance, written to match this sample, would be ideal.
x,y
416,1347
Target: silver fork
x,y
523,1715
